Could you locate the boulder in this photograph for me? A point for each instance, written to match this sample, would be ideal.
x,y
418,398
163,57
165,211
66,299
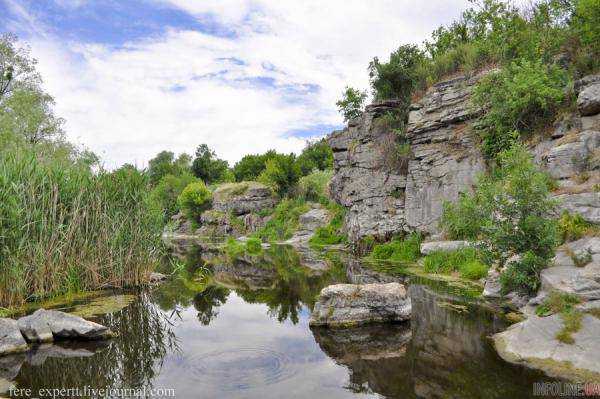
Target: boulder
x,y
584,282
433,246
344,305
243,198
11,339
588,101
533,343
492,288
44,325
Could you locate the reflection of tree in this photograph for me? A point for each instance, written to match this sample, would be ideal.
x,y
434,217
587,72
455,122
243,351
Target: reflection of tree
x,y
131,361
293,287
207,301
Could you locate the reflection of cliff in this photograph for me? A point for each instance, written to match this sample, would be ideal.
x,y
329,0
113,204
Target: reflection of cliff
x,y
450,353
375,356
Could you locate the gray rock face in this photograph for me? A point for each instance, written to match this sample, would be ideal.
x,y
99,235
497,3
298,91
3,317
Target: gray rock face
x,y
570,159
533,343
582,279
432,246
44,325
343,305
371,189
243,198
384,198
11,340
309,222
588,101
587,204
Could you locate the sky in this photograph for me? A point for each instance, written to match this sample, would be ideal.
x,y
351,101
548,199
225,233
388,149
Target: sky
x,y
135,77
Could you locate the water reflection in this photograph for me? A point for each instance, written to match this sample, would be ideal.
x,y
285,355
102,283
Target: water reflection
x,y
241,330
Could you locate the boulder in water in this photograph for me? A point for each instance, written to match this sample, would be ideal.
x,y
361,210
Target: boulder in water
x,y
344,305
45,325
11,340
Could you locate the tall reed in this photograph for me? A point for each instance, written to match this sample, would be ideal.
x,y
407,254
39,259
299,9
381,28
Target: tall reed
x,y
65,229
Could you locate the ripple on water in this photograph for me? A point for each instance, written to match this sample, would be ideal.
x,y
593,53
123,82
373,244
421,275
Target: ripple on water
x,y
241,368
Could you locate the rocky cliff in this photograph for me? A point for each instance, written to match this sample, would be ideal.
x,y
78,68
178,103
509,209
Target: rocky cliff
x,y
384,197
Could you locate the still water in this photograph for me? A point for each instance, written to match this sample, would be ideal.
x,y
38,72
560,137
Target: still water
x,y
240,330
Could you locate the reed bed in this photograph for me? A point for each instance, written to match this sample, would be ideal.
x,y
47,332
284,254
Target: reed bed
x,y
65,229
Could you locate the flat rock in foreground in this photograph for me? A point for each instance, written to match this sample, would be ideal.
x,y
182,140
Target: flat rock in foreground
x,y
11,340
533,343
45,325
344,305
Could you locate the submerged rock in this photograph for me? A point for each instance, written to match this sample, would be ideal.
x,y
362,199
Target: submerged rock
x,y
344,305
44,325
11,340
533,343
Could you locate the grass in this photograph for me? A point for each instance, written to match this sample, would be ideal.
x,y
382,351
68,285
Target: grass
x,y
65,229
572,324
573,227
465,261
398,250
332,233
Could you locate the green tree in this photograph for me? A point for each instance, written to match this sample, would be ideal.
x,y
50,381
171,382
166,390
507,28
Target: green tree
x,y
207,166
168,189
351,103
17,68
316,155
252,165
195,199
281,173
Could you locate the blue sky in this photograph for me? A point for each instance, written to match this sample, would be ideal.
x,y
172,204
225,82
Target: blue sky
x,y
134,77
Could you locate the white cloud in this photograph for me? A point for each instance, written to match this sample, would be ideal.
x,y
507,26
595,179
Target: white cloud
x,y
118,103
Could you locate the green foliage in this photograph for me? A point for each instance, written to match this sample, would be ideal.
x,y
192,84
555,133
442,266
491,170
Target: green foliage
x,y
313,187
462,220
195,199
351,103
64,228
510,211
332,233
284,221
281,173
316,155
398,77
252,165
522,97
572,227
164,163
466,261
586,30
207,167
254,246
234,248
168,190
398,250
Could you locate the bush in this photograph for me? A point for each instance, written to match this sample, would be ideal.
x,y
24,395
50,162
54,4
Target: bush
x,y
313,187
473,270
522,98
462,220
254,246
398,250
168,190
352,102
234,249
572,227
316,155
195,199
511,211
